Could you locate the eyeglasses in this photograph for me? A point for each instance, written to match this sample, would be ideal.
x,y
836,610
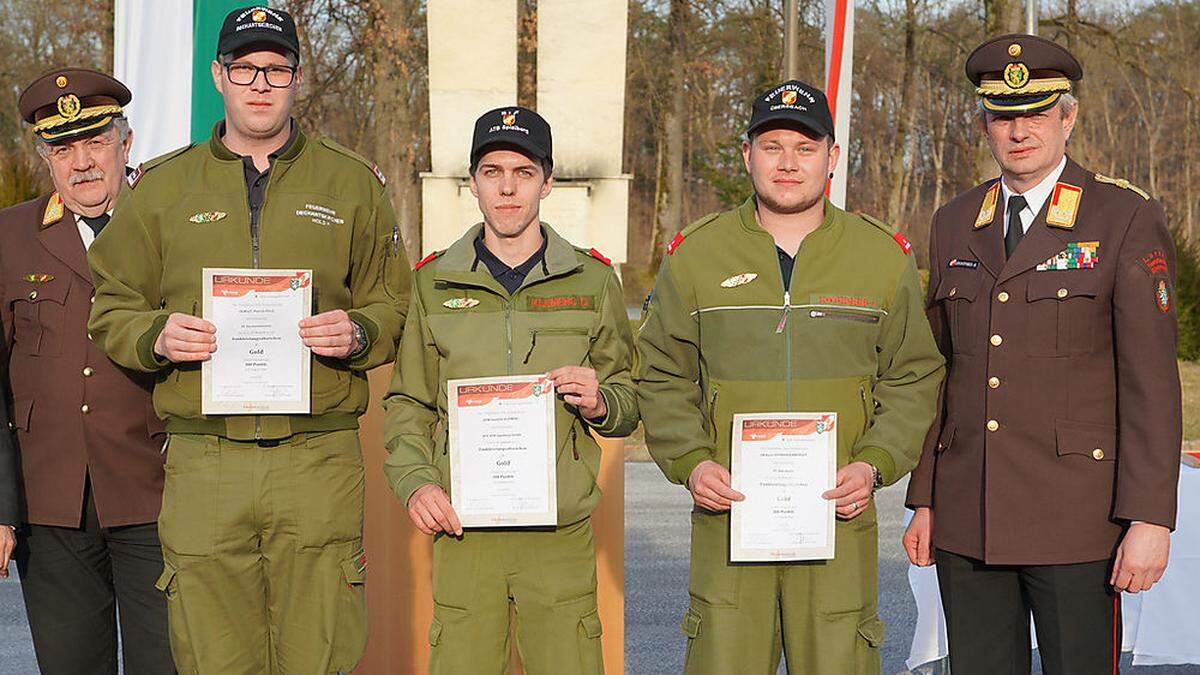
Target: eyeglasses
x,y
244,74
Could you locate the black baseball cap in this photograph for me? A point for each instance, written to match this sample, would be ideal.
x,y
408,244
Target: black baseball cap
x,y
515,127
258,25
793,102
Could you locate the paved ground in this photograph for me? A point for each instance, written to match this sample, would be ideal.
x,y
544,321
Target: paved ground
x,y
656,571
656,550
16,646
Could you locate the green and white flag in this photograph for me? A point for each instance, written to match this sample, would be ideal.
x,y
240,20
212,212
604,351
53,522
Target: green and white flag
x,y
162,51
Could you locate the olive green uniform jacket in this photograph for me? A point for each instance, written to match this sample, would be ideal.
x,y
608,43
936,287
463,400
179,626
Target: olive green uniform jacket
x,y
463,324
325,209
722,336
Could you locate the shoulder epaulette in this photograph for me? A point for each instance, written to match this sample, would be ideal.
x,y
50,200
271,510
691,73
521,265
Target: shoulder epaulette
x,y
683,234
136,177
343,150
593,253
426,260
1122,183
897,236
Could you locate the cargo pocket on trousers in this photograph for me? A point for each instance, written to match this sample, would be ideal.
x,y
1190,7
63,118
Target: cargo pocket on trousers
x,y
591,659
691,628
350,632
870,639
181,643
435,632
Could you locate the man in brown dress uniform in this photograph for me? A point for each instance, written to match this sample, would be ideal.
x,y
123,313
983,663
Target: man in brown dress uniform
x,y
1048,481
89,441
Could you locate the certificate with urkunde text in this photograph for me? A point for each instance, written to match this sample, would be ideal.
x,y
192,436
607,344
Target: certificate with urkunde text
x,y
502,451
782,463
261,365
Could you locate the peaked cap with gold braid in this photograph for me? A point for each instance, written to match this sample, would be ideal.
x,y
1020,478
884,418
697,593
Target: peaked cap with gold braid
x,y
1017,74
72,102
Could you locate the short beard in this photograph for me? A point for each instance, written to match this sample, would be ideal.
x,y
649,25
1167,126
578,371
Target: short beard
x,y
790,209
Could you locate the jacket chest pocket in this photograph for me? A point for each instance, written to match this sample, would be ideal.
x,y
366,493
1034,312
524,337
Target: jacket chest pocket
x,y
1063,312
958,293
40,318
552,347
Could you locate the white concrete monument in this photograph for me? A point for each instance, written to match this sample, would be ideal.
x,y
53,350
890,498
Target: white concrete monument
x,y
581,93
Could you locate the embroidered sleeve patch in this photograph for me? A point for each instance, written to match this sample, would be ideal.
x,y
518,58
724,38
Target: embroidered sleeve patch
x,y
1162,296
557,302
905,245
1155,262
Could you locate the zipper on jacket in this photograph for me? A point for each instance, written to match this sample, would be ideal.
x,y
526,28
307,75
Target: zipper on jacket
x,y
712,412
844,314
574,447
508,331
254,245
532,344
862,393
395,238
787,311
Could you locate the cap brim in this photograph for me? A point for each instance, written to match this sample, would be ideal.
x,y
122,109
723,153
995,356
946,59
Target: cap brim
x,y
786,120
250,38
1019,105
518,143
85,128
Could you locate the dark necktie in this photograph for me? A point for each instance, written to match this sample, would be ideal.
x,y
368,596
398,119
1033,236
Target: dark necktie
x,y
97,223
1016,204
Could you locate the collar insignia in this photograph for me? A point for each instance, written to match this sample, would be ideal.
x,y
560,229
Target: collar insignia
x,y
1064,204
988,210
54,210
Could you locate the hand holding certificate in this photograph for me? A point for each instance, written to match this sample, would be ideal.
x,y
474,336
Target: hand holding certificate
x,y
261,364
502,451
783,463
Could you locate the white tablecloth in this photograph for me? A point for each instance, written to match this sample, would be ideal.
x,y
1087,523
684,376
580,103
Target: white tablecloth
x,y
1159,624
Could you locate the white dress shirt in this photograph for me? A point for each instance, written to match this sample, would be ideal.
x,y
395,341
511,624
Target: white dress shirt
x,y
85,230
1035,197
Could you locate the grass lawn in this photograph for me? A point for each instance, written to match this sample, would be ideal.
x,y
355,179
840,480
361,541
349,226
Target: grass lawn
x,y
1189,374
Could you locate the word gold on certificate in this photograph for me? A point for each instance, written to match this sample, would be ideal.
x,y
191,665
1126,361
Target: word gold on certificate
x,y
782,463
261,364
502,451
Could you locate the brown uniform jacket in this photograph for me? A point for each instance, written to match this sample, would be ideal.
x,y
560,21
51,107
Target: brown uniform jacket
x,y
1061,412
75,412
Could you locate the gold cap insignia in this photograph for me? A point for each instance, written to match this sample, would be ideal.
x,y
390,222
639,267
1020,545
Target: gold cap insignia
x,y
69,106
788,97
1016,75
1014,50
61,81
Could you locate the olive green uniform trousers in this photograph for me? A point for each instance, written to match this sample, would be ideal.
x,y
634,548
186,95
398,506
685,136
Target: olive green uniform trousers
x,y
263,559
544,579
823,613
